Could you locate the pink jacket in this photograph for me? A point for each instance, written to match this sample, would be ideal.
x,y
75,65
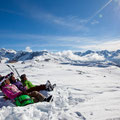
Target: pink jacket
x,y
11,91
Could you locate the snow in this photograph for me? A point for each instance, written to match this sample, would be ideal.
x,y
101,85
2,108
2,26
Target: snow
x,y
98,58
82,92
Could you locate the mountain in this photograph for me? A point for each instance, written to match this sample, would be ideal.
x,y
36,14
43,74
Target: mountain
x,y
89,58
6,55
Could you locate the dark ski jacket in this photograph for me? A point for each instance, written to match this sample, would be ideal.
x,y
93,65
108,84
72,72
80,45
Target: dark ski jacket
x,y
19,85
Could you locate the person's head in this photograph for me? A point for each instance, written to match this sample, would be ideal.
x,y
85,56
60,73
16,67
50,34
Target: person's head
x,y
23,77
7,81
3,81
11,77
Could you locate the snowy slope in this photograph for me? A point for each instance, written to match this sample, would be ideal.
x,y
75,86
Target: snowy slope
x,y
82,93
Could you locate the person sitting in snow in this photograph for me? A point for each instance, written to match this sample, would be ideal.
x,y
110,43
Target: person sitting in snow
x,y
30,86
11,91
27,86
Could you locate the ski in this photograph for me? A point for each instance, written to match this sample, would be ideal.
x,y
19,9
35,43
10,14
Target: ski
x,y
11,68
16,71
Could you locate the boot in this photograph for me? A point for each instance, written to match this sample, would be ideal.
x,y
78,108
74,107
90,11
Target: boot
x,y
50,87
48,99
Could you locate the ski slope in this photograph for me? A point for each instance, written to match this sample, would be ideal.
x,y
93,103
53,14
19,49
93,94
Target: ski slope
x,y
82,93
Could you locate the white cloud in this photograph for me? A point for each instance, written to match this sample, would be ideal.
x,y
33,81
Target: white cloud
x,y
73,42
28,49
109,45
91,57
75,23
71,22
37,37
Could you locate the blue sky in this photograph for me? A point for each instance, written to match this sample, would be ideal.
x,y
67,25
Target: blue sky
x,y
58,25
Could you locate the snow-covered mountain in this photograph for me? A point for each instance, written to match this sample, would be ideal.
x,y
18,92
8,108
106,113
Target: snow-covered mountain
x,y
89,58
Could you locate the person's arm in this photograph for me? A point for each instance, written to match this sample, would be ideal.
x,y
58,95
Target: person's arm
x,y
9,93
30,85
22,88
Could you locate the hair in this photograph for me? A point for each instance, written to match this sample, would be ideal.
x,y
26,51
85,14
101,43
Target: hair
x,y
10,76
23,76
11,79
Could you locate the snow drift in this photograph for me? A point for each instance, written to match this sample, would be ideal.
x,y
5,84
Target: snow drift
x,y
82,93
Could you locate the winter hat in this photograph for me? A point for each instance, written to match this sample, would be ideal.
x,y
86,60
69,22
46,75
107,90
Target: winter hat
x,y
23,76
10,76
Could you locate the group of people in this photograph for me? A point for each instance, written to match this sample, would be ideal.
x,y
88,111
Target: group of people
x,y
13,88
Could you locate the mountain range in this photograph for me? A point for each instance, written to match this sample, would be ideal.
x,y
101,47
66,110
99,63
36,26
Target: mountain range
x,y
90,58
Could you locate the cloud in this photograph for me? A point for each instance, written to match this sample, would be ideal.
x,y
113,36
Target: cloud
x,y
112,45
51,38
91,57
28,49
68,42
35,12
72,22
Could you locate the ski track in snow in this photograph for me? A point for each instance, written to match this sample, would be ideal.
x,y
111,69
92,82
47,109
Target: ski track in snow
x,y
82,93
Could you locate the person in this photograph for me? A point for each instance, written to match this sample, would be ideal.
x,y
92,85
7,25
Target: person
x,y
16,82
12,92
31,87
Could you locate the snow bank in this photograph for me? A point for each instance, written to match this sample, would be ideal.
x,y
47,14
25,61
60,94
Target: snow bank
x,y
82,93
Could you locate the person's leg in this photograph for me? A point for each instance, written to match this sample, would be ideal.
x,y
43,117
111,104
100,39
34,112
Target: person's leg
x,y
38,96
37,88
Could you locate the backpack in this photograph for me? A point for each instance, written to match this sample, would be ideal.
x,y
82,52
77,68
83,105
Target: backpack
x,y
23,100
